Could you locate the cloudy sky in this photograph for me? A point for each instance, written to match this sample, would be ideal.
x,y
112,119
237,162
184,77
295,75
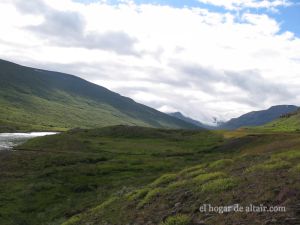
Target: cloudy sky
x,y
205,58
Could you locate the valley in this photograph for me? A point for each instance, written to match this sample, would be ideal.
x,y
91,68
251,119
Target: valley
x,y
135,112
134,175
113,161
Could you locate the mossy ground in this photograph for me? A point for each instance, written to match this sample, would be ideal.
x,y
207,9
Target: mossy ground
x,y
259,171
130,175
50,179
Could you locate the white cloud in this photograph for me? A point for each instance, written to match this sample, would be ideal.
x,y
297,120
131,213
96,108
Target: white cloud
x,y
242,4
202,63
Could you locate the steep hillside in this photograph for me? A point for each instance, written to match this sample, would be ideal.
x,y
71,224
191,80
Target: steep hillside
x,y
33,99
258,118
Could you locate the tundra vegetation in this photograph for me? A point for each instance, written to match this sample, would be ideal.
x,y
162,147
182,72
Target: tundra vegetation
x,y
133,175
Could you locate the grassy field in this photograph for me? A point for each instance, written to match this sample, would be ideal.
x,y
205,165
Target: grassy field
x,y
251,169
131,175
50,179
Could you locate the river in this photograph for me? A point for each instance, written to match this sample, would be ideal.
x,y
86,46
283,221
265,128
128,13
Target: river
x,y
9,140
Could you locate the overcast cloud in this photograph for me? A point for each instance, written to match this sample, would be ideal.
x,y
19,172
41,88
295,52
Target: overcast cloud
x,y
204,64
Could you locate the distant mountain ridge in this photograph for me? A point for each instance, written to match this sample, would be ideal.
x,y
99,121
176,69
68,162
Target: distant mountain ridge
x,y
34,99
180,116
259,118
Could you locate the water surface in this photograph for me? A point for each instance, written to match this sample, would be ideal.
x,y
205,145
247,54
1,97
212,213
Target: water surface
x,y
9,140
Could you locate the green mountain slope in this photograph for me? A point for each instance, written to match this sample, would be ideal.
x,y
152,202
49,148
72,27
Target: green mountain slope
x,y
258,118
287,122
33,99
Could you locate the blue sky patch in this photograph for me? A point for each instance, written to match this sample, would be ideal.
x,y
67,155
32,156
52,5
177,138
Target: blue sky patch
x,y
287,17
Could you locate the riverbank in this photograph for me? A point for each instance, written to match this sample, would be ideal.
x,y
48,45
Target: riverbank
x,y
10,140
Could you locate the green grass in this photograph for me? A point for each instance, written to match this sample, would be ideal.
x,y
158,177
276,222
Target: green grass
x,y
192,169
177,220
285,124
50,114
195,173
220,180
150,196
288,155
270,165
32,99
121,175
164,180
296,169
208,176
53,178
218,185
220,164
138,194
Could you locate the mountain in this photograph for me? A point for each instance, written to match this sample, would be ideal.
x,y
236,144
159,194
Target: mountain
x,y
34,99
180,116
258,118
287,122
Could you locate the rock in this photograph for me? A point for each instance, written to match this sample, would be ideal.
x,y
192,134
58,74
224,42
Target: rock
x,y
177,204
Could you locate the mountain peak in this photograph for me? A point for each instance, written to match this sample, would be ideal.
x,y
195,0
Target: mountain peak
x,y
180,116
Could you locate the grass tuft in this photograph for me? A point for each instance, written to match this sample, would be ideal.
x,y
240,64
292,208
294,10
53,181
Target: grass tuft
x,y
270,165
218,185
220,164
151,195
164,180
177,220
191,169
138,194
177,185
72,221
208,176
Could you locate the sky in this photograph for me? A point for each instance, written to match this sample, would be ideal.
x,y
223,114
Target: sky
x,y
205,58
